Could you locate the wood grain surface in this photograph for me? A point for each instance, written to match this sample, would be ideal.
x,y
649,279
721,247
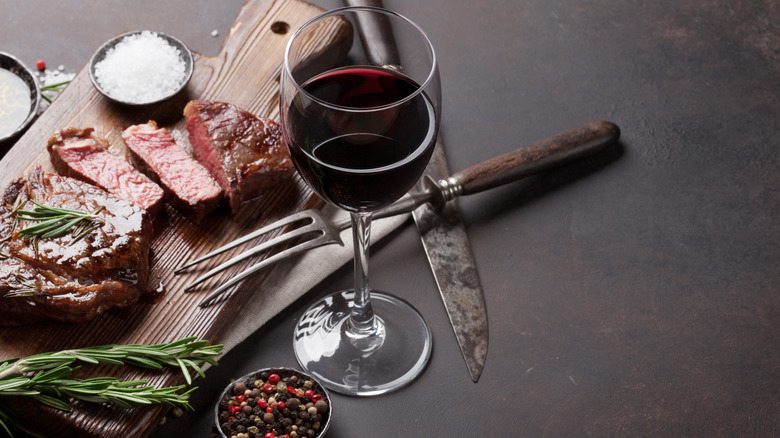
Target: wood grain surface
x,y
244,73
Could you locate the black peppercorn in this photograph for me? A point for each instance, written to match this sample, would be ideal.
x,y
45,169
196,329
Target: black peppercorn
x,y
239,388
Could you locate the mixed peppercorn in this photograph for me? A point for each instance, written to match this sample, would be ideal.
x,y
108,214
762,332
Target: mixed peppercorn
x,y
273,404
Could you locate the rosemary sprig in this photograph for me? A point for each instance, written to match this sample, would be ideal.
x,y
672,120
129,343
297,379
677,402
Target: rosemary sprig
x,y
54,88
54,222
184,353
23,287
46,377
48,386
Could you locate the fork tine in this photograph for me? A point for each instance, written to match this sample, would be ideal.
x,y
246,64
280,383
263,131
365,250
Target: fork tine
x,y
322,240
301,215
306,229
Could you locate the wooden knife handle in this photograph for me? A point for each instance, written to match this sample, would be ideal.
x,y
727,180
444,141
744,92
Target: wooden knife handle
x,y
376,33
560,149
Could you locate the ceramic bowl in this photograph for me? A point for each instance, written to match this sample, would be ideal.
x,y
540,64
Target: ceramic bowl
x,y
100,55
10,63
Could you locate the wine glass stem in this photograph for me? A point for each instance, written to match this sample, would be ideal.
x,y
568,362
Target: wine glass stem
x,y
362,321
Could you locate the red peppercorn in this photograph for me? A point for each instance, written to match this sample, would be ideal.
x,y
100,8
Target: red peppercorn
x,y
309,393
273,379
40,65
270,435
268,388
262,404
241,398
281,405
269,409
291,390
316,397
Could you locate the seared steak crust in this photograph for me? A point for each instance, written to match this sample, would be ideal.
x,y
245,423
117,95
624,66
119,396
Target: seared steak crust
x,y
244,153
81,154
64,279
188,185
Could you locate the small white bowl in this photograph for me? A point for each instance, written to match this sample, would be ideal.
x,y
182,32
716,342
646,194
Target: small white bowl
x,y
10,63
282,372
100,55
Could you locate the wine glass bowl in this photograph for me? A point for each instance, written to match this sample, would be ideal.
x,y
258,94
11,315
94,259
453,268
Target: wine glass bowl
x,y
360,116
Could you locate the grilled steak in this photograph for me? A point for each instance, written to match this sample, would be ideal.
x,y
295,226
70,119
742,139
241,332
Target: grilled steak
x,y
68,278
188,185
81,154
243,152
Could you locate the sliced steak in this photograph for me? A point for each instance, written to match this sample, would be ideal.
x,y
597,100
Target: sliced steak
x,y
243,152
188,185
81,154
65,278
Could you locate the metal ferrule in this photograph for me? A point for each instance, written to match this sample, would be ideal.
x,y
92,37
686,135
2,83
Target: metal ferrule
x,y
450,188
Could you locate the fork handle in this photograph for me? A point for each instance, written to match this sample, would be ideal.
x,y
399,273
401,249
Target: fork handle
x,y
555,151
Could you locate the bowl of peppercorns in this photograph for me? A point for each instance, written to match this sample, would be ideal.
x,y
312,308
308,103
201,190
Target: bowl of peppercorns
x,y
273,403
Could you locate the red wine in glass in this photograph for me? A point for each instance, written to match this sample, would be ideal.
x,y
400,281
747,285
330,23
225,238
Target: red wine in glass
x,y
361,125
362,160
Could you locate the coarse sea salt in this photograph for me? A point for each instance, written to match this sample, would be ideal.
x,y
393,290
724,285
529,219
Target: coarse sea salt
x,y
141,68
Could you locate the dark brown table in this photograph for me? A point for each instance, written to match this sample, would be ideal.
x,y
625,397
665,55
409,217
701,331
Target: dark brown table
x,y
635,294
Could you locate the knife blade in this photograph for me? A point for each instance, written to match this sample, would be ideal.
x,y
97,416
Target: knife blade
x,y
444,237
448,249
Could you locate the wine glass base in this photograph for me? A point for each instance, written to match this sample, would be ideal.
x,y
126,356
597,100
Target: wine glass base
x,y
362,365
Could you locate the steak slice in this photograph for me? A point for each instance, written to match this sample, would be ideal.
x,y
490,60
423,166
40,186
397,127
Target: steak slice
x,y
188,185
65,278
243,152
81,154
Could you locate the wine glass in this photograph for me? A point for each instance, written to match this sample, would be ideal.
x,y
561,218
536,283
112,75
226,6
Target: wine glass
x,y
360,117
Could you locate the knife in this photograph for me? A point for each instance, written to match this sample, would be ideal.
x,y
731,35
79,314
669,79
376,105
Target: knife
x,y
443,234
439,222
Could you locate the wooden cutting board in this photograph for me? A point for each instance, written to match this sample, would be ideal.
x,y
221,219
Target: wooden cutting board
x,y
246,73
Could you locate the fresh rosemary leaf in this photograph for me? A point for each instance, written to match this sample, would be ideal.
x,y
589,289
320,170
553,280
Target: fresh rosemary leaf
x,y
55,87
52,402
13,384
